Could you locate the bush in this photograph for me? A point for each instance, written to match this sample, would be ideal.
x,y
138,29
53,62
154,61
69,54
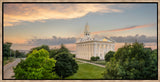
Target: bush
x,y
94,58
65,65
97,57
37,65
73,55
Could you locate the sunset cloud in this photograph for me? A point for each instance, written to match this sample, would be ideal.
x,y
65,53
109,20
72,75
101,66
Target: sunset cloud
x,y
124,29
15,14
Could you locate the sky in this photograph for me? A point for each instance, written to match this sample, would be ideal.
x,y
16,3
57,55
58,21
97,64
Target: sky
x,y
32,23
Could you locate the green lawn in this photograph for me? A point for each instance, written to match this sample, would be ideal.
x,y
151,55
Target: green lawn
x,y
88,71
101,62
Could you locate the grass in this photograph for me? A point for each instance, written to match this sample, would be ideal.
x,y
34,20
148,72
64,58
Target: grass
x,y
101,62
88,71
10,59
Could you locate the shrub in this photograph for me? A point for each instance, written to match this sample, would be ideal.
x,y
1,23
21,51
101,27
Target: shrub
x,y
97,57
73,55
94,58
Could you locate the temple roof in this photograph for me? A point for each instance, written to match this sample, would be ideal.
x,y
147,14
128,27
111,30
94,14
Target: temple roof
x,y
87,37
104,39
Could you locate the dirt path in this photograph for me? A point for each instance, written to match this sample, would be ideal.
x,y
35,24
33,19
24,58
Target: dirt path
x,y
8,69
90,63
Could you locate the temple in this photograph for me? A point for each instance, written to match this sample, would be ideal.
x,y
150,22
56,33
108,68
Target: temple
x,y
88,46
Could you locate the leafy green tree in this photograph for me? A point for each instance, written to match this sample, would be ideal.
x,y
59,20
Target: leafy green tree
x,y
153,66
109,55
46,47
65,65
63,49
132,62
37,65
53,52
12,53
6,49
19,54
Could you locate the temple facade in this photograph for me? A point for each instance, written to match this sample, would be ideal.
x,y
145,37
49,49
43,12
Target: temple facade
x,y
88,46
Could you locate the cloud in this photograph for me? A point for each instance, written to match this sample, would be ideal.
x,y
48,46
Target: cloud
x,y
51,41
15,14
124,29
141,38
59,40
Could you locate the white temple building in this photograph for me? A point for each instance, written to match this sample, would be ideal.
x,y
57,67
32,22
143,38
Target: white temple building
x,y
87,46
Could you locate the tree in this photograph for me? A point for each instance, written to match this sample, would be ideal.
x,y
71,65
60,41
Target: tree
x,y
53,52
46,47
132,62
109,55
63,49
6,49
153,65
37,65
19,54
65,65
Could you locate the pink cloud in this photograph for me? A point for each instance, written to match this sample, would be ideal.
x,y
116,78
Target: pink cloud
x,y
124,29
14,14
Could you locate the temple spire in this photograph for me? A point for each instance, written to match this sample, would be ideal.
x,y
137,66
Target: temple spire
x,y
86,30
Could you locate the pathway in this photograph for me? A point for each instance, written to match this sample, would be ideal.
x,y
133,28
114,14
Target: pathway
x,y
91,63
8,69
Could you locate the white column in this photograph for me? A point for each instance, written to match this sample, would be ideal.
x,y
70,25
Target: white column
x,y
99,45
85,50
82,51
114,46
88,50
77,51
92,49
95,48
103,51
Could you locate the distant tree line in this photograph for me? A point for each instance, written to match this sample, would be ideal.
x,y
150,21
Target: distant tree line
x,y
8,52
